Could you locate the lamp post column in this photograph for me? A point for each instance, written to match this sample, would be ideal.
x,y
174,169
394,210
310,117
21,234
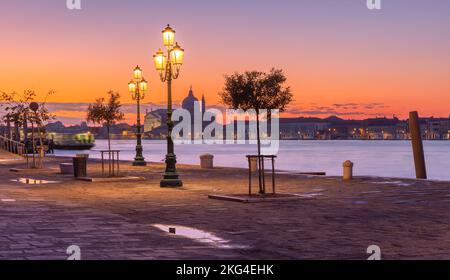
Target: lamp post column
x,y
139,159
137,87
170,177
169,69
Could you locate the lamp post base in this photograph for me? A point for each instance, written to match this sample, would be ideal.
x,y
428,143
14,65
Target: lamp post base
x,y
139,162
171,180
139,159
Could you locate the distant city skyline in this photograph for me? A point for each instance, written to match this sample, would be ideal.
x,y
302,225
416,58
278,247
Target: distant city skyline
x,y
340,57
75,113
300,128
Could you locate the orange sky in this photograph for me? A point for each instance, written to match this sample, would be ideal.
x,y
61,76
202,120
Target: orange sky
x,y
343,60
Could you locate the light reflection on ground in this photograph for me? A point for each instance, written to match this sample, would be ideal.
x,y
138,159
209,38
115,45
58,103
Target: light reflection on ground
x,y
199,236
11,159
397,183
308,195
29,181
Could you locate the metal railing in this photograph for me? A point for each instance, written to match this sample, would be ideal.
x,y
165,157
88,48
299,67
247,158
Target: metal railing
x,y
12,146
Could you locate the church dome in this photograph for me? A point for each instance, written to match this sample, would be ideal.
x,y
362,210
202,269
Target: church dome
x,y
189,101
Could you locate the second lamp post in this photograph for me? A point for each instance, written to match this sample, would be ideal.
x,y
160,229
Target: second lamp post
x,y
168,67
138,86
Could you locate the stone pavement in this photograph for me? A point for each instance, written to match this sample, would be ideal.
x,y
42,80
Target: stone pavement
x,y
407,219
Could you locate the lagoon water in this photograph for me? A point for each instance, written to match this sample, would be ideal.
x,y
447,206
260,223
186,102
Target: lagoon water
x,y
375,158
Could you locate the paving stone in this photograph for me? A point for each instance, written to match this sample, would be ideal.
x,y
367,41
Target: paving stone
x,y
114,221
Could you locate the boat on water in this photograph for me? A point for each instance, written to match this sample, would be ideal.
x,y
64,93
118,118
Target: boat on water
x,y
72,141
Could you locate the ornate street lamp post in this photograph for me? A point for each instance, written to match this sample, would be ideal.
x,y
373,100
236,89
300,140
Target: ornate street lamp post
x,y
168,67
137,87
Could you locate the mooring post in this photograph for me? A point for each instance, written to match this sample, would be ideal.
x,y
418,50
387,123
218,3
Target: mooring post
x,y
417,145
347,170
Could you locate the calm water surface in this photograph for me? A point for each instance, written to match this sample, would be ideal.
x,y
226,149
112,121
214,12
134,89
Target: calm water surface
x,y
377,158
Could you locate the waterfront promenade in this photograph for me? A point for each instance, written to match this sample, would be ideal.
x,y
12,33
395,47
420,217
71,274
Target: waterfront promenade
x,y
407,219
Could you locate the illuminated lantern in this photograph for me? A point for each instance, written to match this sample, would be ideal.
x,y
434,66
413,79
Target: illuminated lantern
x,y
160,60
137,73
168,36
177,55
132,87
143,85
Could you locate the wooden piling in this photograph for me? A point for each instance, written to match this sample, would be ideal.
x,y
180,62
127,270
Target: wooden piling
x,y
417,145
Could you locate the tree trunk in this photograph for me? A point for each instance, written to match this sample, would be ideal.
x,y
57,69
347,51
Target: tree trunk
x,y
109,138
25,129
16,131
41,147
8,129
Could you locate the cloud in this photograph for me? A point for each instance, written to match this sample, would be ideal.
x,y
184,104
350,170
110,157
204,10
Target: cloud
x,y
346,105
70,120
326,112
375,106
337,109
75,113
77,107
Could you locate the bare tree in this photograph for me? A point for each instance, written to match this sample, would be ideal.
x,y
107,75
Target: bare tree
x,y
259,91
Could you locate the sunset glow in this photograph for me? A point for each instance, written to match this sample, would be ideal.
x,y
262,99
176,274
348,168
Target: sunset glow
x,y
224,139
340,58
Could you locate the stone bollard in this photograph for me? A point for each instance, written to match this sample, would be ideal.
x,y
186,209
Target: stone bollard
x,y
348,170
83,156
66,168
206,161
253,164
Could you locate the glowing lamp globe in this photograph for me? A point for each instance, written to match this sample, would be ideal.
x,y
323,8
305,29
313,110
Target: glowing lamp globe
x,y
137,73
132,87
168,36
160,60
177,55
143,85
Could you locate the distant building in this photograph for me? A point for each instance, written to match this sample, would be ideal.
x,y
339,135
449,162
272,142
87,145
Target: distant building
x,y
435,128
118,131
189,105
56,127
155,121
386,129
302,128
341,129
155,124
